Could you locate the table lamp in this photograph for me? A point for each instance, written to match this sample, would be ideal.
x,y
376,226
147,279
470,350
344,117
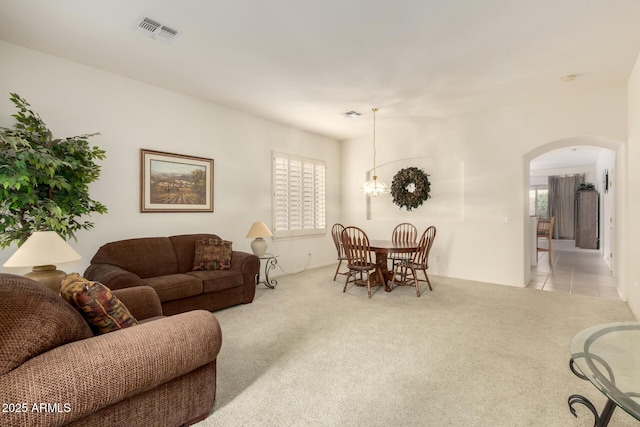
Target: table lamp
x,y
259,231
41,250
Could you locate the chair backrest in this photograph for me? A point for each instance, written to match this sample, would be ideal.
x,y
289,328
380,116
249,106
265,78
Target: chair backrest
x,y
336,233
356,246
421,255
545,227
404,232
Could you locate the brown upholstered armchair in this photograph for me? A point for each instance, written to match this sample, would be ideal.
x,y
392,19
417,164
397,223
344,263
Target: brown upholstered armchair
x,y
54,371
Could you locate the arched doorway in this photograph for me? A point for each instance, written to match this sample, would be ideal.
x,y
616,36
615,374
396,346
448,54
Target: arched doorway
x,y
603,177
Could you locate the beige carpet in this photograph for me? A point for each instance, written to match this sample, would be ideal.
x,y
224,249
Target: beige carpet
x,y
465,354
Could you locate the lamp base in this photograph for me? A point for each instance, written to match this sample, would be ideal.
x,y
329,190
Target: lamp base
x,y
48,276
259,246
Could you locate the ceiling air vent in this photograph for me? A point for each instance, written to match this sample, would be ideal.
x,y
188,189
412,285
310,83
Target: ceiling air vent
x,y
155,29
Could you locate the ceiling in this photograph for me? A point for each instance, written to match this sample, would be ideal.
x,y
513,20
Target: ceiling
x,y
305,63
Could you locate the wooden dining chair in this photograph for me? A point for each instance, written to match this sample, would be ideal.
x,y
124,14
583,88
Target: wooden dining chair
x,y
544,230
408,269
358,251
403,232
336,233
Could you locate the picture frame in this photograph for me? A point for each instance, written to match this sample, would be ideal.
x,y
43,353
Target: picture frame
x,y
172,182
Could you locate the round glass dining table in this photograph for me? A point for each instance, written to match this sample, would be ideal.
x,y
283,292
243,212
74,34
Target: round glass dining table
x,y
608,356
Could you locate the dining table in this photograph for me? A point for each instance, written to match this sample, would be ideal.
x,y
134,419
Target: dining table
x,y
382,249
607,356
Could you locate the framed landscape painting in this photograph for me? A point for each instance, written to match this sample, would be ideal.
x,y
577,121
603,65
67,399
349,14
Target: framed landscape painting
x,y
175,182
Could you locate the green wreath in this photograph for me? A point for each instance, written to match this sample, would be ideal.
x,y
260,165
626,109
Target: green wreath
x,y
410,188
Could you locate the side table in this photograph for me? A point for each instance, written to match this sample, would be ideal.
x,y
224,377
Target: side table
x,y
607,356
271,261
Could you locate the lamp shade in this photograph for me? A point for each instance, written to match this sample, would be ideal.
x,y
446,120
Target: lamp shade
x,y
43,248
259,229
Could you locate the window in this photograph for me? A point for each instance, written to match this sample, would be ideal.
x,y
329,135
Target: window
x,y
299,196
538,200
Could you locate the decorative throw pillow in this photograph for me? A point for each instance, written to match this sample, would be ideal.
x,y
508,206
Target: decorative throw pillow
x,y
212,254
101,309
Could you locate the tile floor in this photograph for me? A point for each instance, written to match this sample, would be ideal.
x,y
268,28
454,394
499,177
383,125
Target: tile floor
x,y
574,271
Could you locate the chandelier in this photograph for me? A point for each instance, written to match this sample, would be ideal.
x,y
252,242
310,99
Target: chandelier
x,y
373,187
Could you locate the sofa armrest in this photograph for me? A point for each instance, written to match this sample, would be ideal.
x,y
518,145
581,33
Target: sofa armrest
x,y
112,276
142,301
85,376
249,264
245,262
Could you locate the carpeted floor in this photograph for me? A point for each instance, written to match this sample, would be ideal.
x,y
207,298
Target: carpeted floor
x,y
465,354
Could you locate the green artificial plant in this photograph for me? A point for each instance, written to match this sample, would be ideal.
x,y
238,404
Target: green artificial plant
x,y
586,186
44,181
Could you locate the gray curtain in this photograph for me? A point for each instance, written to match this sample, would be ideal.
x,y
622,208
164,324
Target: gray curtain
x,y
562,191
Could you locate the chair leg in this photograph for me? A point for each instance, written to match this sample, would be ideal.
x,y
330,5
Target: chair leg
x,y
402,271
338,268
427,277
550,253
416,281
346,282
369,284
396,270
406,271
409,271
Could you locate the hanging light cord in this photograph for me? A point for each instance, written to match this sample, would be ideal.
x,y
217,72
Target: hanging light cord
x,y
374,143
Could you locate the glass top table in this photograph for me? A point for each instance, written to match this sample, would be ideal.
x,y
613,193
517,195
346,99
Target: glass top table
x,y
608,356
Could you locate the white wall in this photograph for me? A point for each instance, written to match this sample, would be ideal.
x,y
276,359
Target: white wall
x,y
488,244
629,208
494,148
74,99
608,220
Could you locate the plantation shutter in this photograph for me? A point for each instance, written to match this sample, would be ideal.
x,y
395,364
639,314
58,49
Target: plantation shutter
x,y
280,194
295,195
299,194
320,197
308,199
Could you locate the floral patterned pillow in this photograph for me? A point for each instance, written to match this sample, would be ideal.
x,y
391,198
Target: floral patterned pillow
x,y
212,254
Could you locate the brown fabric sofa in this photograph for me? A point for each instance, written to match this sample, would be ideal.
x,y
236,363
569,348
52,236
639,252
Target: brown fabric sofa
x,y
54,372
166,264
